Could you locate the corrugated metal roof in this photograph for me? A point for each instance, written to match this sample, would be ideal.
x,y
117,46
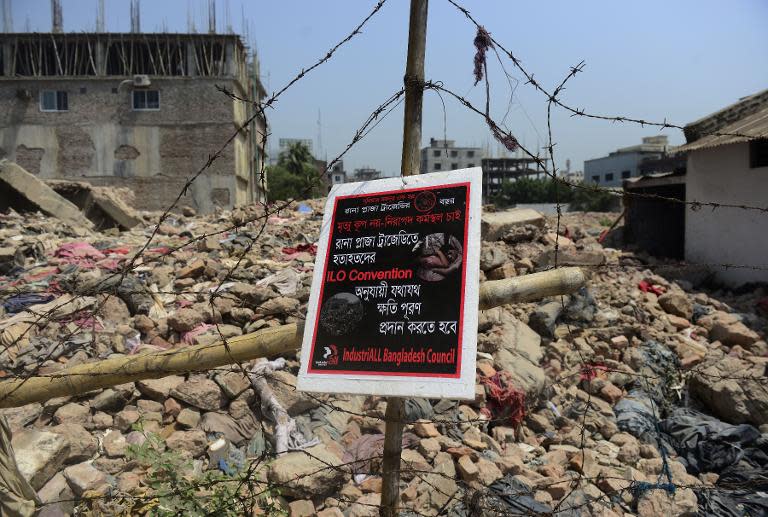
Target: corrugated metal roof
x,y
747,128
646,176
654,180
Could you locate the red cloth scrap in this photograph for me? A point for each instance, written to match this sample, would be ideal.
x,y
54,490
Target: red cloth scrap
x,y
505,400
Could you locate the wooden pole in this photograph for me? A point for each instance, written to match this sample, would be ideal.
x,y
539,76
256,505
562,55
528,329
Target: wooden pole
x,y
410,164
263,343
414,88
111,372
530,288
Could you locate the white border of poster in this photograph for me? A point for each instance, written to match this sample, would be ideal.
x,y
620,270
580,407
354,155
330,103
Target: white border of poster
x,y
462,387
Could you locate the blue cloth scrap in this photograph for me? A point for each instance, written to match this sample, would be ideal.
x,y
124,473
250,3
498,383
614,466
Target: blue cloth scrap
x,y
20,302
640,487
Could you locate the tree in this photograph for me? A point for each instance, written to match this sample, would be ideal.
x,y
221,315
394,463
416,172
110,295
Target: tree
x,y
295,176
591,198
532,190
282,184
583,197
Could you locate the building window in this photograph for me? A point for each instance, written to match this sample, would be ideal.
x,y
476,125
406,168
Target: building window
x,y
52,100
625,174
436,154
454,166
438,166
596,179
609,176
758,153
470,154
337,178
454,154
146,100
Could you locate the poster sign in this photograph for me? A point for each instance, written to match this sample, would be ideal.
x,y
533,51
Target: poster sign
x,y
394,299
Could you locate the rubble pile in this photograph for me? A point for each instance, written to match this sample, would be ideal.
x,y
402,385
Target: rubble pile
x,y
642,394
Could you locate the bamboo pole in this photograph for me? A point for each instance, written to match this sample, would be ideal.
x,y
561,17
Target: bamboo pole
x,y
409,165
414,88
264,343
529,288
149,54
110,372
56,53
90,56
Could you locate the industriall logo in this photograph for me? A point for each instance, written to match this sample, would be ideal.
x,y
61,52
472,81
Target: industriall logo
x,y
330,356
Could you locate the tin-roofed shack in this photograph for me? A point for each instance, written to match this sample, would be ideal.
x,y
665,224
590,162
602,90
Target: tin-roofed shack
x,y
728,164
724,184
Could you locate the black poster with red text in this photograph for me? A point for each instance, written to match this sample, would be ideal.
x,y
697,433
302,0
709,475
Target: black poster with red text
x,y
391,300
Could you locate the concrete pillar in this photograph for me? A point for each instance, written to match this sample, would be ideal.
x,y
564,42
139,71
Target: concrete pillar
x,y
230,67
100,57
7,60
191,62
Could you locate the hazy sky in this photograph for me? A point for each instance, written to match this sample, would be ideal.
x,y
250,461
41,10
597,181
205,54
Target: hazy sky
x,y
654,59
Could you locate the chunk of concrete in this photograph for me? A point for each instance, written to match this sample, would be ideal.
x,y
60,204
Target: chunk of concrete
x,y
39,455
83,477
496,224
569,257
24,192
101,205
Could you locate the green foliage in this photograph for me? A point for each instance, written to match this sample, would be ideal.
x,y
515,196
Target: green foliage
x,y
295,176
532,190
282,184
591,198
585,198
605,221
179,489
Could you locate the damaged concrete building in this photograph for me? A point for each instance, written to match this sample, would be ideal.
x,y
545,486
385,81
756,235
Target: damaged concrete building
x,y
137,110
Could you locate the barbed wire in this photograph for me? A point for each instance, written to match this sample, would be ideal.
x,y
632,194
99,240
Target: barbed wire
x,y
506,138
131,264
250,480
553,97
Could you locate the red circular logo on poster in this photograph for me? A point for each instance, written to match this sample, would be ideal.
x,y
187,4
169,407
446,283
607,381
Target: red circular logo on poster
x,y
425,201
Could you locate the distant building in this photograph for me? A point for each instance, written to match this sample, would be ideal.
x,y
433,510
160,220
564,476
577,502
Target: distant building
x,y
366,174
284,143
573,177
729,168
336,175
134,110
443,155
624,163
497,171
320,166
674,162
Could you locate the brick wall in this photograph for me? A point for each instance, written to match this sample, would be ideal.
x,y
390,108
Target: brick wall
x,y
102,137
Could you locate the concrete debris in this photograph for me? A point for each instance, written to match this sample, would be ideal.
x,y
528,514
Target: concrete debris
x,y
495,225
39,455
577,367
308,473
104,207
21,191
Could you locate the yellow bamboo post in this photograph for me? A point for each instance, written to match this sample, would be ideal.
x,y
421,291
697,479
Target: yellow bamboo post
x,y
263,343
410,163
